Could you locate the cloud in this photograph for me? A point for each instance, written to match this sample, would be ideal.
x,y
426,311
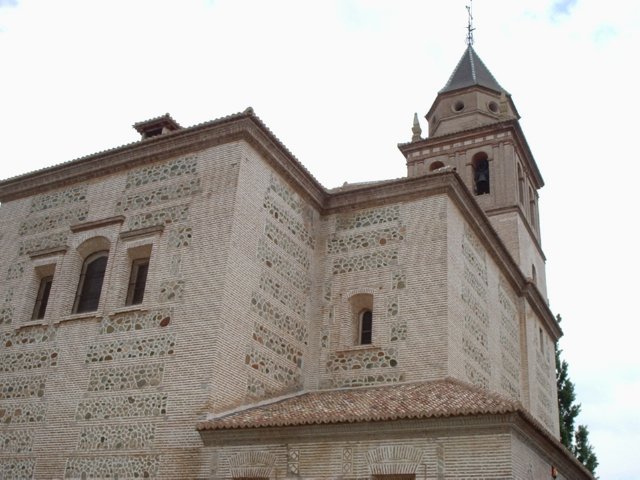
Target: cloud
x,y
604,33
562,7
8,3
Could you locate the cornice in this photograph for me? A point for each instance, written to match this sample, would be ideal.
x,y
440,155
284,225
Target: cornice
x,y
533,433
248,127
512,126
539,305
518,422
103,222
243,126
433,426
517,209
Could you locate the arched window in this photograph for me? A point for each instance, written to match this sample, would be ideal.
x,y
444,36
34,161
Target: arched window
x,y
520,184
534,275
435,165
481,181
90,284
362,317
532,206
366,327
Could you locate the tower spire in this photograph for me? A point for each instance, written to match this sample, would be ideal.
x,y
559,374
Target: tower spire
x,y
470,28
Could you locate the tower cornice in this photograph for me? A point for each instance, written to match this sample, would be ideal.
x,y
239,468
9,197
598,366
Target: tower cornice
x,y
457,142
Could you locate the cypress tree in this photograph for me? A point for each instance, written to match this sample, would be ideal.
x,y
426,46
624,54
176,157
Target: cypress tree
x,y
583,450
576,440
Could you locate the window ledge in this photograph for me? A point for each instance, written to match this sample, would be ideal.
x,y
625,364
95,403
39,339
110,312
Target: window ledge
x,y
79,316
358,348
141,232
105,222
129,308
46,252
31,323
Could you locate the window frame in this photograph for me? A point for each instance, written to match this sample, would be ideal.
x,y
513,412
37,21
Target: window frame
x,y
42,298
80,291
363,328
133,287
481,158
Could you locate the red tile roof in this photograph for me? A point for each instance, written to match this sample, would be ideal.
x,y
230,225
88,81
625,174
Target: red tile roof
x,y
442,398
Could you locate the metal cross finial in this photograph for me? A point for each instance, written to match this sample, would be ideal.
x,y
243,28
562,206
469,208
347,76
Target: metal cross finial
x,y
470,28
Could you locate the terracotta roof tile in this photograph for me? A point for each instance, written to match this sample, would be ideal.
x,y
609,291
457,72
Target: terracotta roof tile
x,y
443,398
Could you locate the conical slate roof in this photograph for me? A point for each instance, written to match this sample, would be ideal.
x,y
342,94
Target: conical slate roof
x,y
471,71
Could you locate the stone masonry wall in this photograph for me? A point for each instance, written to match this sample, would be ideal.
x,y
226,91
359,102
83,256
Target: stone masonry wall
x,y
248,297
378,252
113,393
486,456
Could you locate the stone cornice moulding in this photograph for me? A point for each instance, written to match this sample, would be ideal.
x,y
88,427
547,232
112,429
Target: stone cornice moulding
x,y
511,126
141,232
518,422
244,126
527,225
248,127
541,440
94,224
48,252
430,427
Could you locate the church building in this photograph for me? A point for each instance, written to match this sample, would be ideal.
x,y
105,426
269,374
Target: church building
x,y
196,305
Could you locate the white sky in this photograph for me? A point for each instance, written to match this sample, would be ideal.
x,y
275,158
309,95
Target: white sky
x,y
338,82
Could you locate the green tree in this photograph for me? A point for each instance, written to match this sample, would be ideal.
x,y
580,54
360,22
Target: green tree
x,y
567,408
576,440
583,450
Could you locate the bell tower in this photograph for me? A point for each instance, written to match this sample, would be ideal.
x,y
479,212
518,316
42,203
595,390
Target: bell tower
x,y
473,127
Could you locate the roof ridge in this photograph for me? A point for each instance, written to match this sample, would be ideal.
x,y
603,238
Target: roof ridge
x,y
471,71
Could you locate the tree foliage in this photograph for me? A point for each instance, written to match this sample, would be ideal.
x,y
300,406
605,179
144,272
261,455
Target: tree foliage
x,y
567,408
575,439
583,450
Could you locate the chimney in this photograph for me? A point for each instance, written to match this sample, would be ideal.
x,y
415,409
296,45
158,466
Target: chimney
x,y
156,126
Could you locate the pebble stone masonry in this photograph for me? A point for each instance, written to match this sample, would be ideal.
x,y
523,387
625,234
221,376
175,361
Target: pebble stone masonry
x,y
257,281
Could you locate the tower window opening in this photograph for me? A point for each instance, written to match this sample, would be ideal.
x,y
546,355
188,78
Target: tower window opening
x,y
458,106
520,184
532,206
366,327
534,275
481,181
435,166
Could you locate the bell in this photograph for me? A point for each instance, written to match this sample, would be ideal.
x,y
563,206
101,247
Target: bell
x,y
482,181
482,177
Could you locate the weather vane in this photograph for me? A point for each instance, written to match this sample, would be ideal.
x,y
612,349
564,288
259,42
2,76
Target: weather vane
x,y
470,28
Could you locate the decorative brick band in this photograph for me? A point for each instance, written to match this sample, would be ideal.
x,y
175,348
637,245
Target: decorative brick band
x,y
124,378
134,466
132,348
160,172
126,406
369,217
117,437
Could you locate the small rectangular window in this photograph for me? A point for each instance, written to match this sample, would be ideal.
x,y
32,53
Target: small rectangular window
x,y
137,281
42,299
